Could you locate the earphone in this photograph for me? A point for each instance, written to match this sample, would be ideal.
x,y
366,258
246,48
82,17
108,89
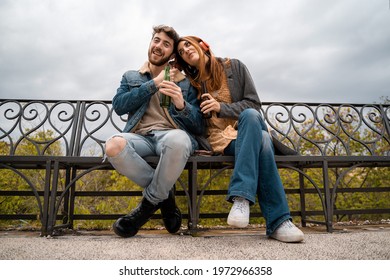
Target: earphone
x,y
204,45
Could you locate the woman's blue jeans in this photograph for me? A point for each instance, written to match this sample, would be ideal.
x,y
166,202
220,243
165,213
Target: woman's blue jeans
x,y
255,171
174,148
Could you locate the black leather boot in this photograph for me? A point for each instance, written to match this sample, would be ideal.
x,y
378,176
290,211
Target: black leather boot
x,y
129,225
170,213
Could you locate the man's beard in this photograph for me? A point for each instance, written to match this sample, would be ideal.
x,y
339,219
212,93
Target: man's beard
x,y
158,62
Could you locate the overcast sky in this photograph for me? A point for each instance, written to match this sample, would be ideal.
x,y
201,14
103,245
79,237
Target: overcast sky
x,y
296,50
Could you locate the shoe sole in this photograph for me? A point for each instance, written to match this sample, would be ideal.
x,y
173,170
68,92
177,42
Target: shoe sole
x,y
289,239
237,222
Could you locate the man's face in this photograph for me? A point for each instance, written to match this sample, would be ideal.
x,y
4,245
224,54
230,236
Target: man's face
x,y
160,49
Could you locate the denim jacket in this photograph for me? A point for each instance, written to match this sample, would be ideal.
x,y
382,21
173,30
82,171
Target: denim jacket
x,y
134,94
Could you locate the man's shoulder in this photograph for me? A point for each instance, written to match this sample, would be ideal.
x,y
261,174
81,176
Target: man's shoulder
x,y
142,71
130,72
134,74
184,82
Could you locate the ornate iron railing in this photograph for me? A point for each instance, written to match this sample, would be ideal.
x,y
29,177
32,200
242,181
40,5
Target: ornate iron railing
x,y
81,127
55,135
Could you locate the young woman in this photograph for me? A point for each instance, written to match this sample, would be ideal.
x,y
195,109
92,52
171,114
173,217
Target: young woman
x,y
237,128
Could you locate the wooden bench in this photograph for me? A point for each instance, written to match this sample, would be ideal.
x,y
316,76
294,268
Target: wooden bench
x,y
65,140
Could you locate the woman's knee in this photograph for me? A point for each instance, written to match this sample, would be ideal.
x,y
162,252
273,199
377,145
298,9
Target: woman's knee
x,y
266,142
114,146
251,115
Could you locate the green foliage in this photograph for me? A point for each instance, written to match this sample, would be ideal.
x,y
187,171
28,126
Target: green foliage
x,y
12,181
363,179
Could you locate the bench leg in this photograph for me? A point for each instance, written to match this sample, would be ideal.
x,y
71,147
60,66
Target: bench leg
x,y
46,196
53,195
193,192
328,207
302,199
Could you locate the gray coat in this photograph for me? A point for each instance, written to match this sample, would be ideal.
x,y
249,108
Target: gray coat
x,y
242,90
244,95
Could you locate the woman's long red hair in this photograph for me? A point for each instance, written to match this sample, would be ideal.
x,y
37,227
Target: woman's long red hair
x,y
211,72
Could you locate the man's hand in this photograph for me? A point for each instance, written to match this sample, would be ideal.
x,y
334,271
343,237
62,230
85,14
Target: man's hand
x,y
174,91
157,80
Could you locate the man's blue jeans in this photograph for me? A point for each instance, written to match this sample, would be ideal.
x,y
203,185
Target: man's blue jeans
x,y
255,171
174,148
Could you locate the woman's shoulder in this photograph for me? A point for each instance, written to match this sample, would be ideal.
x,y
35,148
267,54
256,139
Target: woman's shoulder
x,y
228,62
236,61
234,64
231,62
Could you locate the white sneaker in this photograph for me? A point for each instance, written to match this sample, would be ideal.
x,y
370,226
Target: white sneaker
x,y
287,232
239,214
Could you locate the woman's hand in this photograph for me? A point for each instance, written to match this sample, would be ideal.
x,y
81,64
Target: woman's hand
x,y
173,72
210,104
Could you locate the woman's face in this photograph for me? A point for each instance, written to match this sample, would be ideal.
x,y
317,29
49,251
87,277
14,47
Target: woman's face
x,y
188,53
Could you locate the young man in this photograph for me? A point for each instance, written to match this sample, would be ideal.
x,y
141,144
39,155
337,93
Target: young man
x,y
153,130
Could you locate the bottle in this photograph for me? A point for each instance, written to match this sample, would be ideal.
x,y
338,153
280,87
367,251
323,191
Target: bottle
x,y
203,98
165,100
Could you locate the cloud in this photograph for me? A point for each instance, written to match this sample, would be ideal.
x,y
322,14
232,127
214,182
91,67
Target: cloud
x,y
307,51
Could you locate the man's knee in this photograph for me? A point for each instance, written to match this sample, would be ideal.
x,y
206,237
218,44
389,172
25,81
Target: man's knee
x,y
115,145
180,142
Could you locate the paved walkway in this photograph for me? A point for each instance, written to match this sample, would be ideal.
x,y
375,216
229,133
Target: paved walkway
x,y
370,242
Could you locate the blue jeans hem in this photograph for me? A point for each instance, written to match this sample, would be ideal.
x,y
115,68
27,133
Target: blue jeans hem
x,y
276,224
248,197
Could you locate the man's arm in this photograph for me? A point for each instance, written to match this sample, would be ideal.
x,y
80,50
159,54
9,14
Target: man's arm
x,y
132,93
191,116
